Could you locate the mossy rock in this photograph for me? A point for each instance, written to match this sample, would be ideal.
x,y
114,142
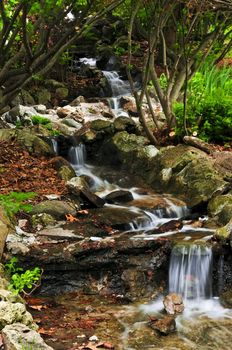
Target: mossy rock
x,y
43,97
32,143
102,125
224,234
222,207
42,219
62,92
66,172
125,124
55,208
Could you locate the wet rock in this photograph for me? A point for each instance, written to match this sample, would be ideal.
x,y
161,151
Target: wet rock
x,y
118,218
171,225
192,174
59,233
125,148
55,208
135,283
222,207
102,125
11,313
173,303
63,167
226,299
224,233
78,186
125,124
19,337
165,325
119,196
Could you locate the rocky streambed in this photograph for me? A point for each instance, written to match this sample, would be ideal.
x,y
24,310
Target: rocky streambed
x,y
105,242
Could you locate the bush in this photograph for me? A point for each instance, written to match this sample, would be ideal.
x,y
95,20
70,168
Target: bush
x,y
209,106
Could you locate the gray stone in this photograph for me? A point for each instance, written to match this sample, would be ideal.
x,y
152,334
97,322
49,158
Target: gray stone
x,y
14,312
57,209
72,123
20,337
17,248
40,109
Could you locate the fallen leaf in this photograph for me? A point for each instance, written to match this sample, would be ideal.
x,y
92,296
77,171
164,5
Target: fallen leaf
x,y
38,307
49,331
71,218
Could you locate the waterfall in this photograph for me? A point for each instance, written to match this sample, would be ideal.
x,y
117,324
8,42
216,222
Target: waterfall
x,y
119,88
55,145
190,271
77,156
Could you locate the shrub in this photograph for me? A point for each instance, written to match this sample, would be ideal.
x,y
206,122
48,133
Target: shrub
x,y
209,105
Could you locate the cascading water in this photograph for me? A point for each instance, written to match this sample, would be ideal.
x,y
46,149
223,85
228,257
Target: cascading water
x,y
190,271
119,88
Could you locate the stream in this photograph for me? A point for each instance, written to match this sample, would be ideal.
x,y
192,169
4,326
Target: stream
x,y
77,318
99,321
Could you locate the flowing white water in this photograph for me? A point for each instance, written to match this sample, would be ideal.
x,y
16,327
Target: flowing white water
x,y
119,88
55,146
190,271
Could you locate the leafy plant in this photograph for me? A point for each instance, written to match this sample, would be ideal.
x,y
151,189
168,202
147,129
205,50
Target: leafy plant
x,y
37,119
20,281
209,105
14,202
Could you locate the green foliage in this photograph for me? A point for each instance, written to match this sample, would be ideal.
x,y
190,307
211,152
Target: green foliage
x,y
36,120
21,281
14,202
209,106
163,81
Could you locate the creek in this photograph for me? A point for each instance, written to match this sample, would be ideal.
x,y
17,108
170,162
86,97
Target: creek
x,y
78,317
205,324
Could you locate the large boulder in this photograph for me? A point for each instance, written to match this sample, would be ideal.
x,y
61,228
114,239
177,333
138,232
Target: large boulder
x,y
57,209
221,206
14,312
130,150
34,144
225,233
20,337
187,172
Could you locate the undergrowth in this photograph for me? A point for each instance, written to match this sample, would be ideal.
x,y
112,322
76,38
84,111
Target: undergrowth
x,y
209,105
15,201
22,282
